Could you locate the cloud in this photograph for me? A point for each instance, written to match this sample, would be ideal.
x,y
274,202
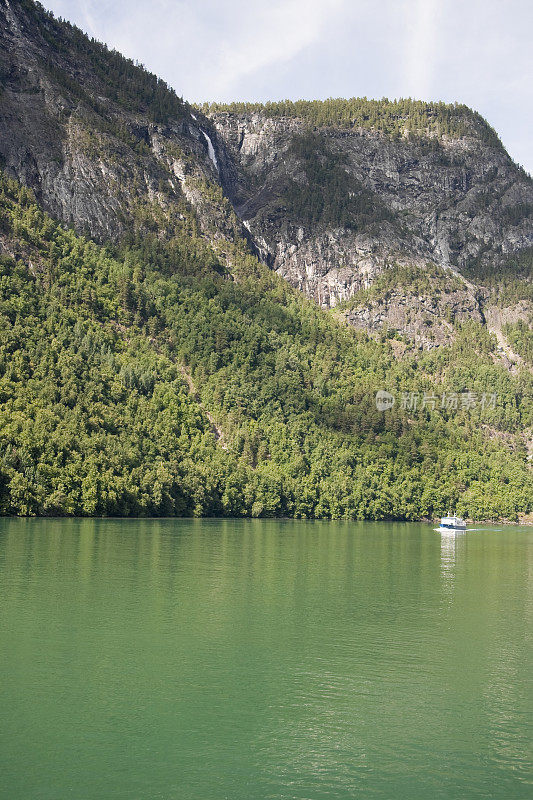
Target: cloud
x,y
90,26
423,20
278,32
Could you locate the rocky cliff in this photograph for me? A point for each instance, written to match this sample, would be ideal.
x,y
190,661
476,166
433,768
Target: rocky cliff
x,y
98,139
330,195
455,199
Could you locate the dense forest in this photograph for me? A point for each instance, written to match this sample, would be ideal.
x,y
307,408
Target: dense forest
x,y
96,347
520,337
325,195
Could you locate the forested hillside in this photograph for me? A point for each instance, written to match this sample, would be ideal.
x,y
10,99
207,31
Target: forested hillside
x,y
98,419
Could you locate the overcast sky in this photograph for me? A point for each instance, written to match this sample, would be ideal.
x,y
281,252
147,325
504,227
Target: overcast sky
x,y
477,52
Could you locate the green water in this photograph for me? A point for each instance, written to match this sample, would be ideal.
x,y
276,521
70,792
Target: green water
x,y
204,660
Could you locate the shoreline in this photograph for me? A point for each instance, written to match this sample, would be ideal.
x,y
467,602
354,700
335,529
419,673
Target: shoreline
x,y
525,520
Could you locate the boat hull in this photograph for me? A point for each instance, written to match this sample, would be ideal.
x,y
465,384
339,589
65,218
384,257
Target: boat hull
x,y
452,524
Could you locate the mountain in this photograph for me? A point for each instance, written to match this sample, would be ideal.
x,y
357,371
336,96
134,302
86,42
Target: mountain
x,y
339,190
198,306
99,140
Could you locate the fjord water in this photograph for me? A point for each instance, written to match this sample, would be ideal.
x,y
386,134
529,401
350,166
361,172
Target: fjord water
x,y
202,660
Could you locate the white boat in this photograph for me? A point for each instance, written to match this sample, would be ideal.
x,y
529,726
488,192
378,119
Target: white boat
x,y
452,524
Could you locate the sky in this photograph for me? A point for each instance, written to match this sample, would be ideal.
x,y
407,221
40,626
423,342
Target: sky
x,y
478,52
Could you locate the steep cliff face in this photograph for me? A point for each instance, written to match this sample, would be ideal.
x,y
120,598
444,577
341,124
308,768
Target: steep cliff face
x,y
448,199
96,144
425,318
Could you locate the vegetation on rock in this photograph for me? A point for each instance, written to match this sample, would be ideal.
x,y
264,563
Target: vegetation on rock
x,y
393,117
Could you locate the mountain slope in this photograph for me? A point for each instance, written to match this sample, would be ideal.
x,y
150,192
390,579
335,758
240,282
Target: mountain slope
x,y
96,417
151,364
330,193
338,190
99,140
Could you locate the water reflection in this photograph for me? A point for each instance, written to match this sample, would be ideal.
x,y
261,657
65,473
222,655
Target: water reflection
x,y
448,548
450,545
301,659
